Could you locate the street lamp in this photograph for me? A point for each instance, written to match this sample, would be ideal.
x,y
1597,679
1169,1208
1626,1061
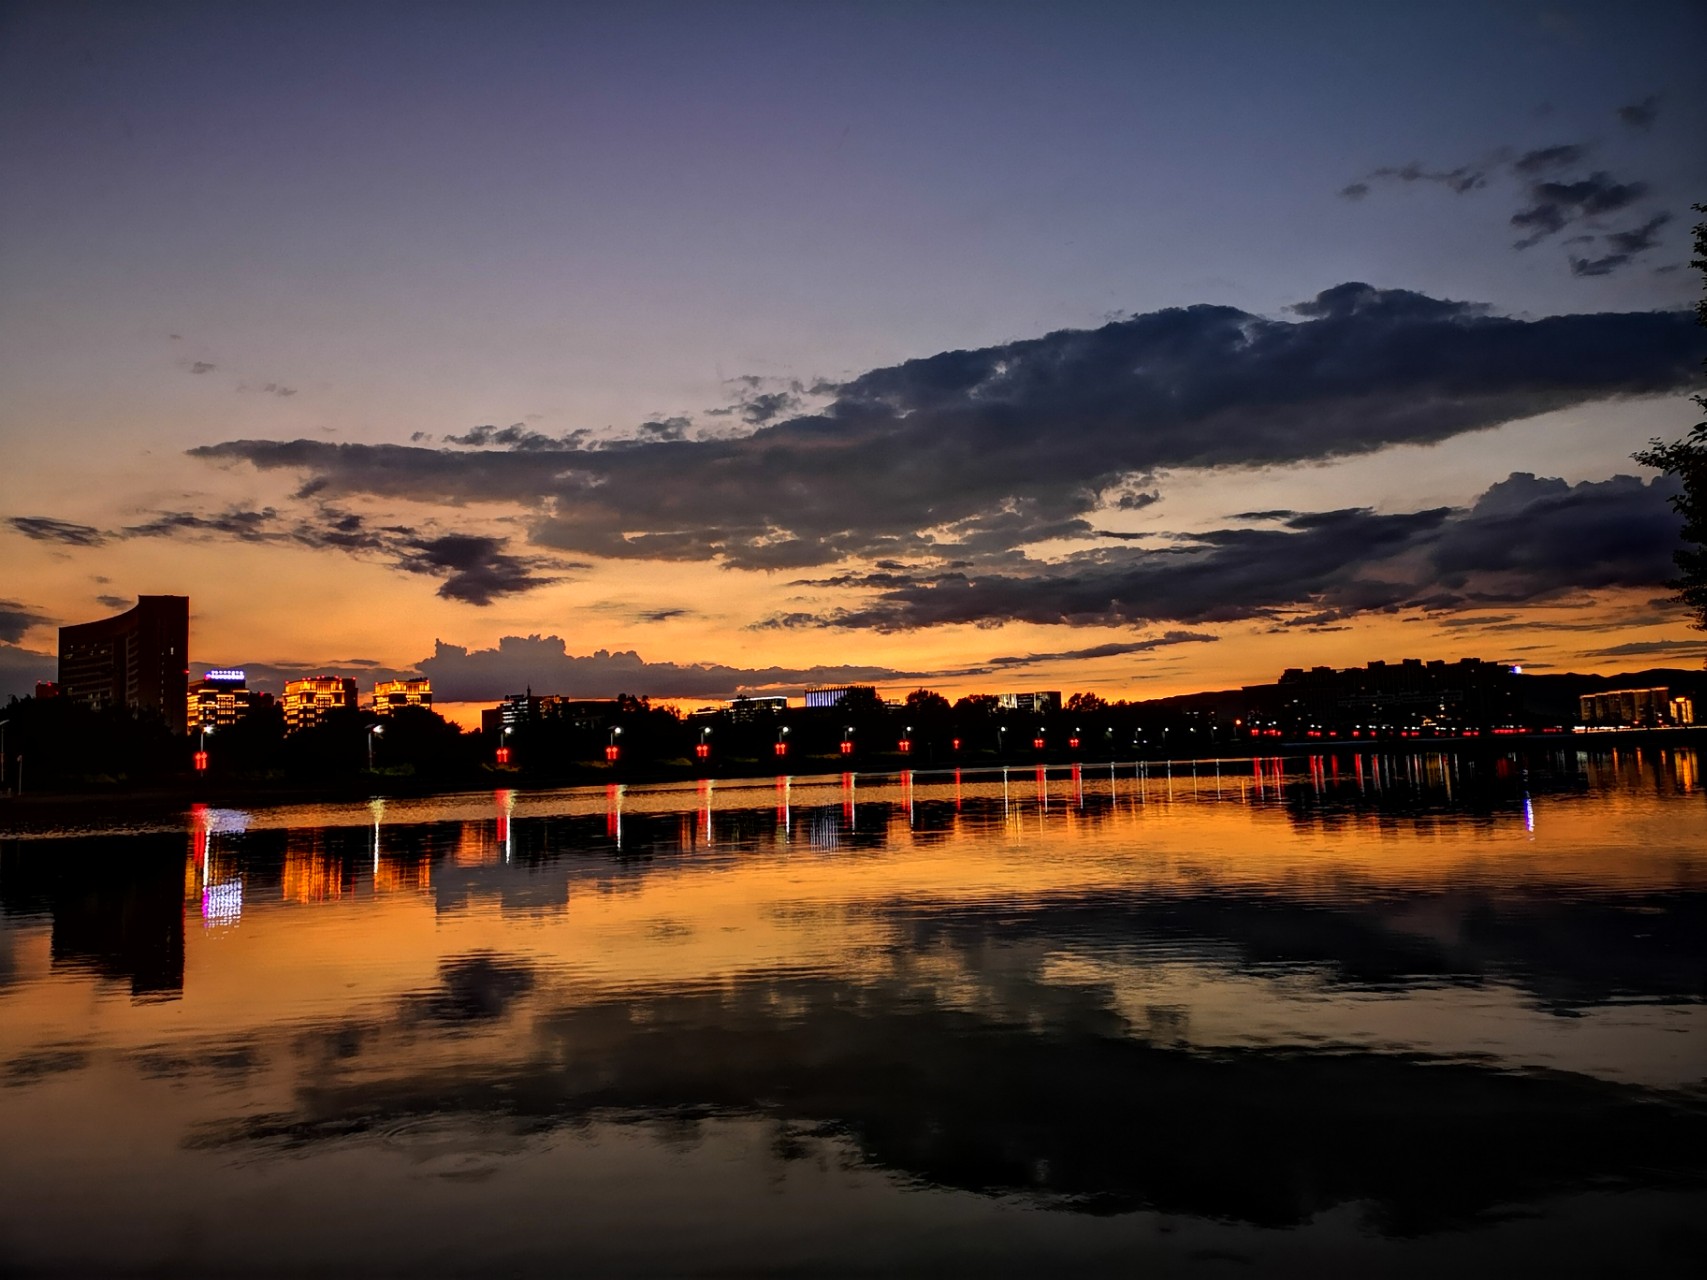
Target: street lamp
x,y
703,749
847,740
504,744
201,748
906,743
1001,739
374,731
782,741
612,751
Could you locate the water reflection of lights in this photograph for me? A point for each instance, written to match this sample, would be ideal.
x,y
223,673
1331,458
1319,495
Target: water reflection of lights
x,y
222,903
1529,815
377,807
784,798
506,802
613,813
221,900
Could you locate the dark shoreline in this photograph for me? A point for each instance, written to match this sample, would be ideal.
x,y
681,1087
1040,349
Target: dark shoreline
x,y
177,794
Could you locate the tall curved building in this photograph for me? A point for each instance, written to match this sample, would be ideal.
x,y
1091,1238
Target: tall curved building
x,y
139,660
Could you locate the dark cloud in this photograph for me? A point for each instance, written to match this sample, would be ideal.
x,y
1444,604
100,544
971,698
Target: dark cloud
x,y
1552,204
770,406
115,602
1112,650
1525,540
202,366
1642,113
47,529
461,674
969,452
515,436
476,569
16,618
1643,648
1557,205
664,615
1467,177
1546,159
243,524
275,389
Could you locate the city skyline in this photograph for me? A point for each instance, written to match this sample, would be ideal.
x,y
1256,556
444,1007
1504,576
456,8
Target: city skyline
x,y
704,350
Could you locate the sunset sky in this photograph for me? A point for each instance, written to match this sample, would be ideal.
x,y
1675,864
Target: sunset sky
x,y
687,348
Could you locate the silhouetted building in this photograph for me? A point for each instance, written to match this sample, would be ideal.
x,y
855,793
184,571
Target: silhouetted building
x,y
1412,694
388,695
137,661
1636,708
519,709
307,702
219,699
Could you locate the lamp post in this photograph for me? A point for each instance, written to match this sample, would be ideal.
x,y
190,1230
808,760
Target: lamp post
x,y
612,751
504,744
906,743
376,730
201,748
847,740
703,748
782,741
1001,739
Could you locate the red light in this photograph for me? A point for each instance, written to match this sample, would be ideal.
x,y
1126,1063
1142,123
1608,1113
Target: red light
x,y
612,753
703,750
503,755
1038,743
957,744
201,761
782,748
906,745
1073,743
847,747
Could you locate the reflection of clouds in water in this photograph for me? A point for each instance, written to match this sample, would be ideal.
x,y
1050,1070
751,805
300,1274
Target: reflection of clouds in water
x,y
1048,1098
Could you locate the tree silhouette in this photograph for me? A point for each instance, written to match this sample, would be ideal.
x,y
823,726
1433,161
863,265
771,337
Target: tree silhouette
x,y
1687,460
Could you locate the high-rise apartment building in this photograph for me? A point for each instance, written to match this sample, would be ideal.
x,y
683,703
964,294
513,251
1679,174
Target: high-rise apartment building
x,y
138,661
219,699
388,695
307,702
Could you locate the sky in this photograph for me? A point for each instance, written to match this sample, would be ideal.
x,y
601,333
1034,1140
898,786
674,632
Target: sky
x,y
686,349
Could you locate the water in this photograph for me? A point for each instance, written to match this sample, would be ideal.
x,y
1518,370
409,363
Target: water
x,y
1384,1014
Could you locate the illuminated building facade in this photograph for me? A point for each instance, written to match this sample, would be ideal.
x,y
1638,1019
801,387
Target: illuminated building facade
x,y
307,702
753,708
1636,709
388,695
1041,702
822,697
137,661
219,699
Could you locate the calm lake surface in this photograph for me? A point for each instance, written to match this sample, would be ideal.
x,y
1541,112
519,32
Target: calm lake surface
x,y
1390,1014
